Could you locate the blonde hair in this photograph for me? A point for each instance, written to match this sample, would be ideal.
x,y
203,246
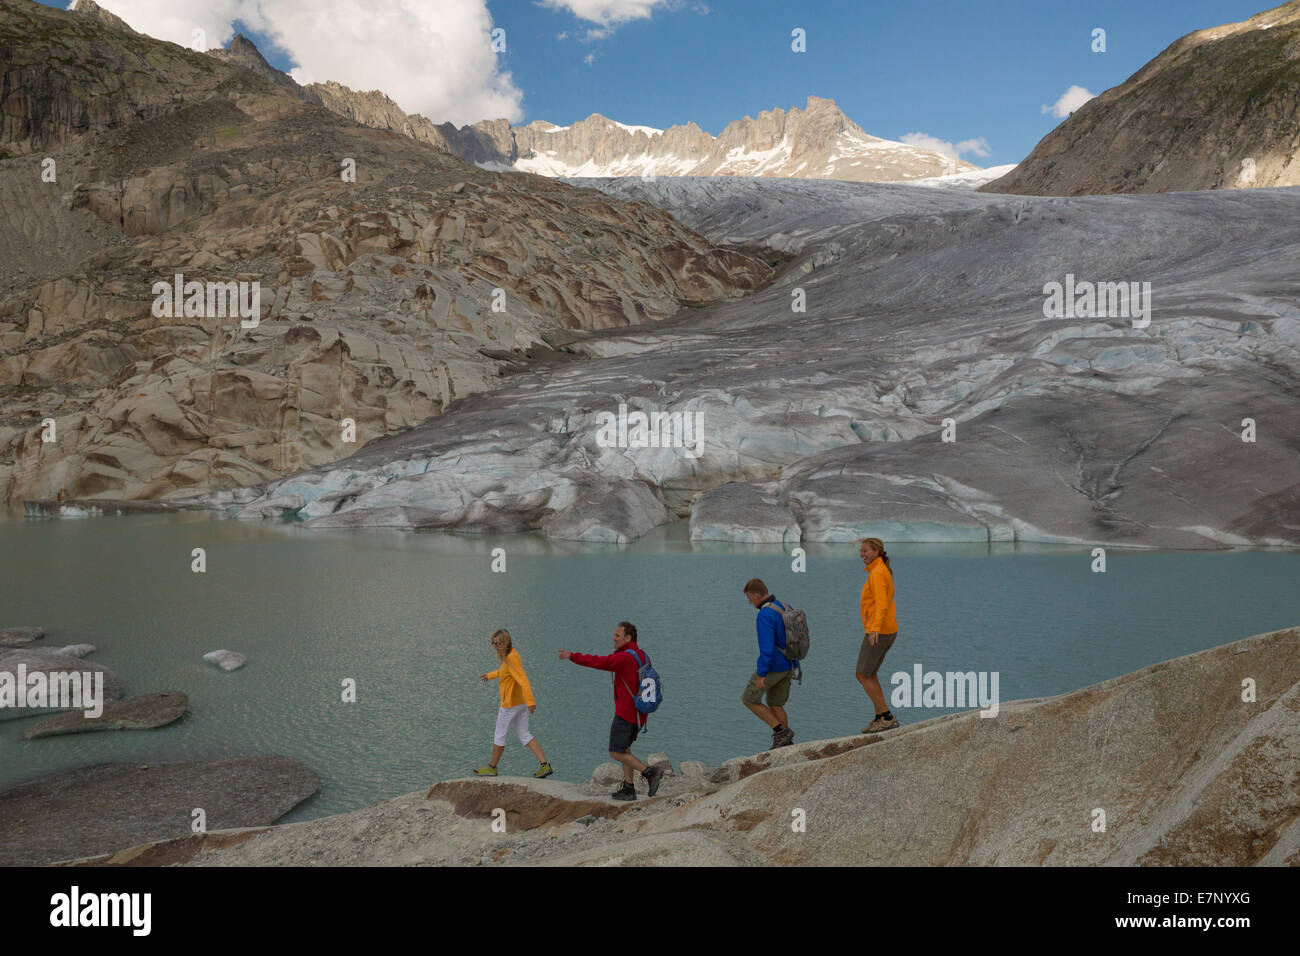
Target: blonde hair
x,y
878,545
509,644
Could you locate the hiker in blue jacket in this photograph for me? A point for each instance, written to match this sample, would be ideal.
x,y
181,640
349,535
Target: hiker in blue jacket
x,y
772,672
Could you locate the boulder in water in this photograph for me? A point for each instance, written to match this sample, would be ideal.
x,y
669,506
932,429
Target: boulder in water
x,y
145,712
20,636
50,663
226,660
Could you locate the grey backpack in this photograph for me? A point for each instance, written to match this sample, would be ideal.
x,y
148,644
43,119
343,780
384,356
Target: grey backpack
x,y
796,636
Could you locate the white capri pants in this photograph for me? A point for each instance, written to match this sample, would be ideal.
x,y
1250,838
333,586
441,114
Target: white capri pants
x,y
516,717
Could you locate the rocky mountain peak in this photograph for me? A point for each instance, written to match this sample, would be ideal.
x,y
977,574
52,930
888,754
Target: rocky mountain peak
x,y
1218,109
92,10
816,142
242,46
244,52
820,103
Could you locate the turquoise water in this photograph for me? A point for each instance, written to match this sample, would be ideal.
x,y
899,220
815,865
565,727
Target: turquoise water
x,y
408,616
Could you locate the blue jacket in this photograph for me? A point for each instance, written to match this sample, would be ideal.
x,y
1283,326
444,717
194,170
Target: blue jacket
x,y
771,641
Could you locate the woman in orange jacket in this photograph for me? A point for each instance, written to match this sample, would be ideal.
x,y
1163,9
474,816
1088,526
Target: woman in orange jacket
x,y
516,704
879,626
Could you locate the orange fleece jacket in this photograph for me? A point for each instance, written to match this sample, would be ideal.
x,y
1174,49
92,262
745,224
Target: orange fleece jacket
x,y
878,600
513,682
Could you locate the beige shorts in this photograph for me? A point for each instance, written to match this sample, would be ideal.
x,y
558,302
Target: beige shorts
x,y
776,687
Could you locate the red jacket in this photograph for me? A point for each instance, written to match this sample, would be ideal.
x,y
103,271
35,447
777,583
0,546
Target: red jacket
x,y
625,677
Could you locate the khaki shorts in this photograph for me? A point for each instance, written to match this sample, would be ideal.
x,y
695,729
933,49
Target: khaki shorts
x,y
870,657
777,688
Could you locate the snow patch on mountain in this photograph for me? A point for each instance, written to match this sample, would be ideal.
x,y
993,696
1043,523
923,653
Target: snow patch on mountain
x,y
818,142
970,179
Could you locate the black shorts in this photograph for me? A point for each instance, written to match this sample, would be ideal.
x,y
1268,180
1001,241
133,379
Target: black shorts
x,y
870,656
621,735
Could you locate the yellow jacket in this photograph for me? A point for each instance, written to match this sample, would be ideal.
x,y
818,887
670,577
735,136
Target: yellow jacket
x,y
878,600
514,686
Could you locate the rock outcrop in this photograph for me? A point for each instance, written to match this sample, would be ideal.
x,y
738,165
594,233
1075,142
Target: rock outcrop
x,y
488,143
102,808
69,74
20,636
242,51
1218,109
146,712
1193,776
381,296
89,8
1197,778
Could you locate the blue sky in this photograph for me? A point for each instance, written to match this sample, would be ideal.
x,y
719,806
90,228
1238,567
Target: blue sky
x,y
958,70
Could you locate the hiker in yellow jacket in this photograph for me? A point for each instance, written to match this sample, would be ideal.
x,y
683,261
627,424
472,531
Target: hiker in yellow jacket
x,y
516,704
879,628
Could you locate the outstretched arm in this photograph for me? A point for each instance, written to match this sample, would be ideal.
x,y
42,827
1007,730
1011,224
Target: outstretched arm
x,y
607,663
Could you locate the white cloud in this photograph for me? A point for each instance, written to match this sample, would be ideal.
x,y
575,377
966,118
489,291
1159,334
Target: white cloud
x,y
980,146
431,56
1070,101
609,15
589,58
610,12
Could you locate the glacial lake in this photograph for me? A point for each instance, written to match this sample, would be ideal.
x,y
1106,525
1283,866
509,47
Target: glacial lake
x,y
408,616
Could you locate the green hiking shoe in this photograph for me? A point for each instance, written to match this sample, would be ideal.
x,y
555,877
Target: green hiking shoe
x,y
545,770
488,771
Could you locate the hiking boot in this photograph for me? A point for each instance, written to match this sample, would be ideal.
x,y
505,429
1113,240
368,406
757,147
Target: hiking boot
x,y
545,770
879,724
625,792
783,738
488,771
652,777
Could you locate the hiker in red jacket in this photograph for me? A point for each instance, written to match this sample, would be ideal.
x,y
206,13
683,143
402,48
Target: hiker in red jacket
x,y
627,721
